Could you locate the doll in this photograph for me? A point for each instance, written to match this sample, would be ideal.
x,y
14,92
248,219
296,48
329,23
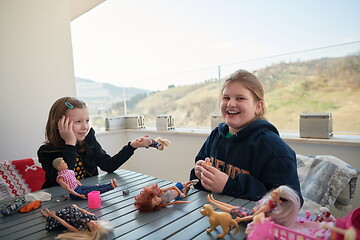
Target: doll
x,y
159,143
153,198
81,223
281,204
66,178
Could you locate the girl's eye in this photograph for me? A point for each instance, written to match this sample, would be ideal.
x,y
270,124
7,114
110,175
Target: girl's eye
x,y
225,98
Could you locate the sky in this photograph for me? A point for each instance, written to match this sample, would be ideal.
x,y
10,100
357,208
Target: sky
x,y
152,44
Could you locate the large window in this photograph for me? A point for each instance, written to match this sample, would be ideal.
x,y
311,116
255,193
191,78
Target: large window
x,y
322,79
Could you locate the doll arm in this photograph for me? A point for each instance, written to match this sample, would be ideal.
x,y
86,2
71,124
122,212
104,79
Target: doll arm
x,y
61,221
81,209
78,182
67,188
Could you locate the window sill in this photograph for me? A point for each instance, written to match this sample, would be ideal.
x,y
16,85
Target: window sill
x,y
350,139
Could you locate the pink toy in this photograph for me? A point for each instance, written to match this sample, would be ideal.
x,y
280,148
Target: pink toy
x,y
94,199
267,229
350,222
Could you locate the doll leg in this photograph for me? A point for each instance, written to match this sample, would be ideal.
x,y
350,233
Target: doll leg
x,y
222,206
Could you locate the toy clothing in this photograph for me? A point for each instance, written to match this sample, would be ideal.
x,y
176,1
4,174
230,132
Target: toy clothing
x,y
84,190
244,212
70,179
255,158
93,156
168,196
72,216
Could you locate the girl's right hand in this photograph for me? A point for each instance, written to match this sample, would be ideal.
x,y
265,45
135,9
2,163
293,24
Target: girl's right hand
x,y
199,167
65,130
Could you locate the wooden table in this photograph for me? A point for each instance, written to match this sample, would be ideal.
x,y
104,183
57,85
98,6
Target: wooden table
x,y
182,221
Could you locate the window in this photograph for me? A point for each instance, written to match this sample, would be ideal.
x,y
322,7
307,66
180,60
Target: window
x,y
325,79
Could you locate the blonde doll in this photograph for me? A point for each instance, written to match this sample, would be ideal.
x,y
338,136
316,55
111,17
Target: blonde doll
x,y
81,223
281,204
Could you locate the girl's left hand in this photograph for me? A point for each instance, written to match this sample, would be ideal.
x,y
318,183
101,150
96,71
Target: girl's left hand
x,y
144,141
213,179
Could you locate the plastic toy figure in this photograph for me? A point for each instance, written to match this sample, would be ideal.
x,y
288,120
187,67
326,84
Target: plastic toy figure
x,y
281,204
159,143
153,198
223,219
66,178
324,215
81,223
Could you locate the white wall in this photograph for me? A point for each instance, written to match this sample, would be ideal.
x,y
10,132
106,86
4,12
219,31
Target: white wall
x,y
36,68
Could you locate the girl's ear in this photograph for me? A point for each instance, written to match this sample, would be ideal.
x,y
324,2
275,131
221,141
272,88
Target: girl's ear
x,y
259,106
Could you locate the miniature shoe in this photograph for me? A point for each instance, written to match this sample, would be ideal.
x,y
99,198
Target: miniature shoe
x,y
9,209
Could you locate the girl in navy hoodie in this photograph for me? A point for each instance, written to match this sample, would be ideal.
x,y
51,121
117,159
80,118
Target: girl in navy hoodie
x,y
244,157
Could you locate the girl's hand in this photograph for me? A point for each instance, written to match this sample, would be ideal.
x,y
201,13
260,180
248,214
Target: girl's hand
x,y
74,206
65,130
213,179
144,141
199,166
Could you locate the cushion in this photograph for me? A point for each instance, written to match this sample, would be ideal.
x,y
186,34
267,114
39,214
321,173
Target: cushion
x,y
19,177
326,181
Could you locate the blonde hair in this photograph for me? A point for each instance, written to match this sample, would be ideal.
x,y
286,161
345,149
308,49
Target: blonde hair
x,y
56,162
251,83
286,212
104,228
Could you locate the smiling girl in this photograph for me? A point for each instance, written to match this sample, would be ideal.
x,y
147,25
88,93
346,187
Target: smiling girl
x,y
244,156
69,136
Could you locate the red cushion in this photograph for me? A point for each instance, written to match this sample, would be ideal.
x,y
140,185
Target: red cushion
x,y
20,177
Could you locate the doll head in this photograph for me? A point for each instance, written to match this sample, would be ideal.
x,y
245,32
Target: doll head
x,y
163,143
60,164
144,201
288,206
98,232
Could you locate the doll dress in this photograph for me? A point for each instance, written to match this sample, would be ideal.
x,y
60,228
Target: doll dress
x,y
244,212
72,216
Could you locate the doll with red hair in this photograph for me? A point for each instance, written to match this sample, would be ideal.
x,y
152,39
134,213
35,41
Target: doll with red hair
x,y
153,198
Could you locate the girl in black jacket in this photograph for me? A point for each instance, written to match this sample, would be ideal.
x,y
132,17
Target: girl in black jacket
x,y
69,136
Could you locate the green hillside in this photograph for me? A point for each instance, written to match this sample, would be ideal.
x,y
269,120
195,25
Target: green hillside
x,y
317,86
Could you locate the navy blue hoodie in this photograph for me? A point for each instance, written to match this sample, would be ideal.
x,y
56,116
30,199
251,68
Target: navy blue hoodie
x,y
255,158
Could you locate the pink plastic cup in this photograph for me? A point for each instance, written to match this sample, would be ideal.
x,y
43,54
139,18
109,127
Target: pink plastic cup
x,y
94,200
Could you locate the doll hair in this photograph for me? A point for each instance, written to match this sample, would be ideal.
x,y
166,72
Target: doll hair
x,y
56,162
143,201
104,228
57,110
251,83
286,212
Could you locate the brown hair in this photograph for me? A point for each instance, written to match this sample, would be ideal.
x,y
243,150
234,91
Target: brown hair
x,y
251,83
57,110
143,201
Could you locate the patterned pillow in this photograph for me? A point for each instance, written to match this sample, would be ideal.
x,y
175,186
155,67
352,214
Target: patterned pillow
x,y
323,179
19,177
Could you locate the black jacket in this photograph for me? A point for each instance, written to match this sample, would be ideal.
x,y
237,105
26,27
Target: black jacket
x,y
255,158
93,156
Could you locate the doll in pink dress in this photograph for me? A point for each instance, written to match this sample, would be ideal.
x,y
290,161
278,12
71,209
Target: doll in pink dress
x,y
67,179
